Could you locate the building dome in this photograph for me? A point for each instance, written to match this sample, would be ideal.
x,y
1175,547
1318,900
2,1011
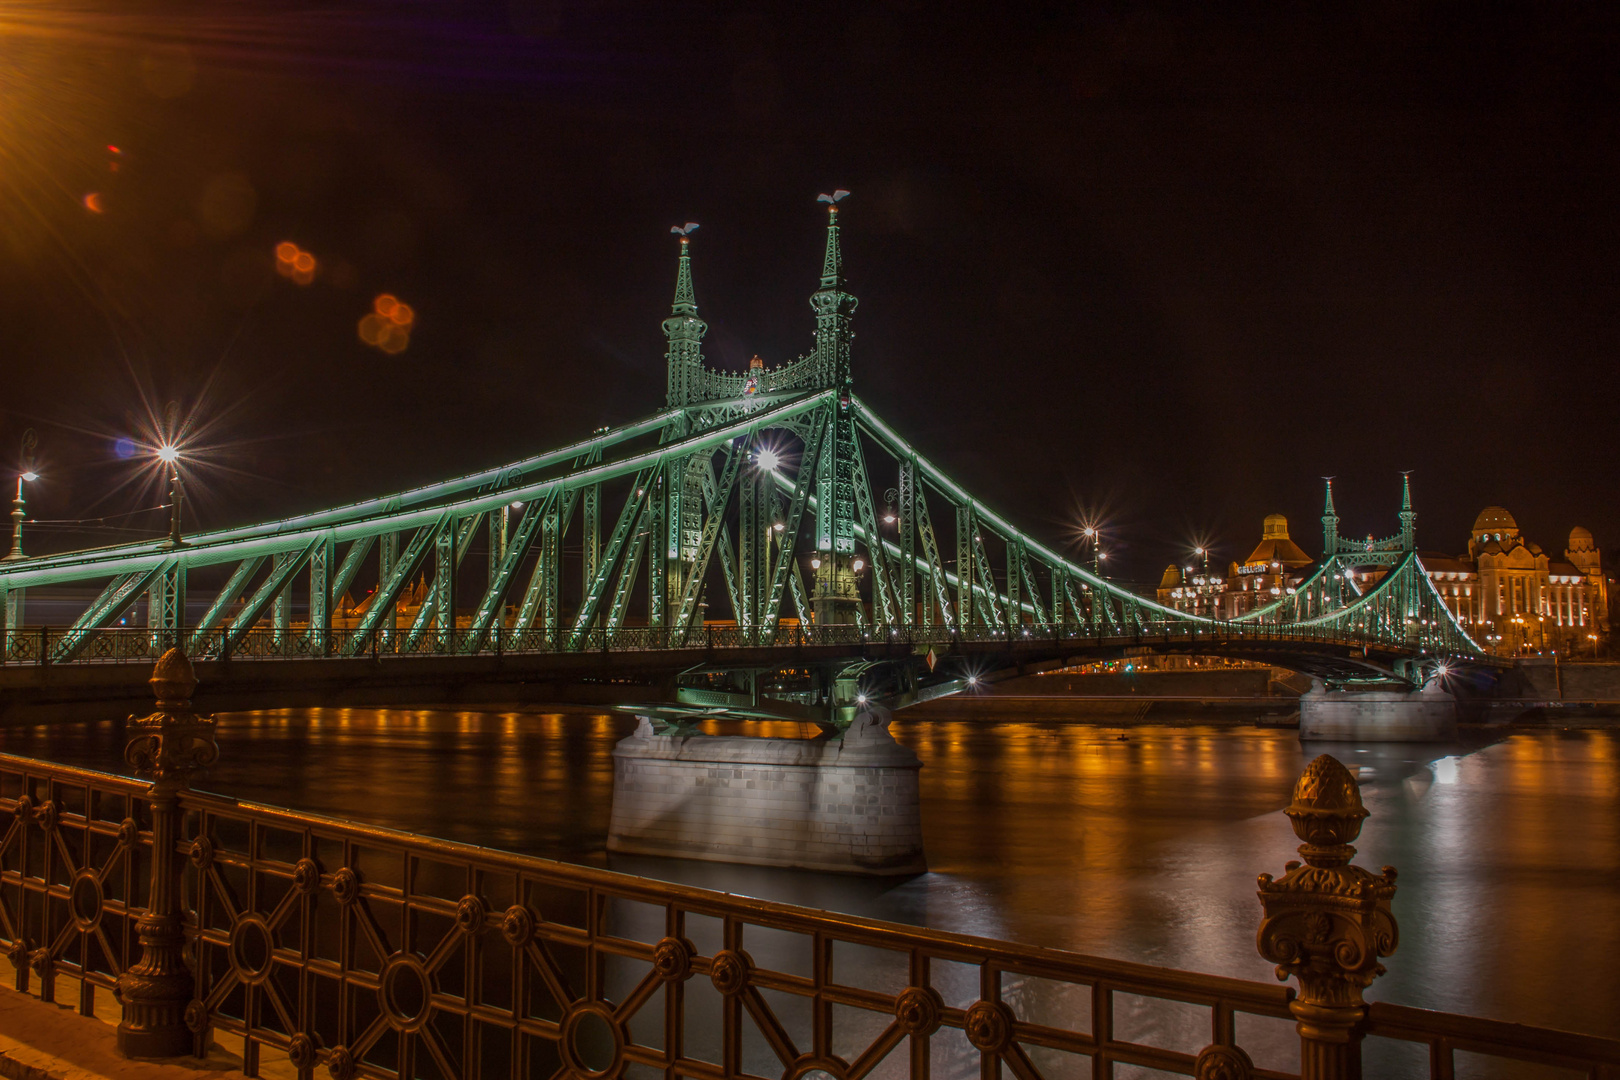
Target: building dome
x,y
1171,578
1493,520
1581,540
1276,527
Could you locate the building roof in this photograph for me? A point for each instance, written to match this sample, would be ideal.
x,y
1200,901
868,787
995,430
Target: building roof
x,y
1438,562
1275,546
1495,519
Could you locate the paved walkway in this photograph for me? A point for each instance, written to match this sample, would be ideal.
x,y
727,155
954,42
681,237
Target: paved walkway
x,y
41,1041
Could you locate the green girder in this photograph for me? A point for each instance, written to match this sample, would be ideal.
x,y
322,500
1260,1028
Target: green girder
x,y
678,515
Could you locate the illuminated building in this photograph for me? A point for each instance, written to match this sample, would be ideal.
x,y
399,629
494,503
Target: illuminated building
x,y
1273,569
1513,598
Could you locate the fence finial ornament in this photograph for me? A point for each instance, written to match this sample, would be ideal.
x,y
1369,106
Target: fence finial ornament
x,y
174,741
160,1018
1327,922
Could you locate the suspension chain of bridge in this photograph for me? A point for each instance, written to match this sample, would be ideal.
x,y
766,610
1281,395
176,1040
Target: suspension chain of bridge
x,y
770,508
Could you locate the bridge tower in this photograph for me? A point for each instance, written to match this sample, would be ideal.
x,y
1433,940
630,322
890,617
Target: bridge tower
x,y
685,332
679,499
1330,524
1408,515
836,599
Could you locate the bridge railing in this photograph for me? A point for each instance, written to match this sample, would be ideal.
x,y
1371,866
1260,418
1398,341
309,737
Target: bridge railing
x,y
368,951
58,645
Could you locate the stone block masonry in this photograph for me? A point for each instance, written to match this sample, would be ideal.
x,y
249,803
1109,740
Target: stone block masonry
x,y
1378,716
847,804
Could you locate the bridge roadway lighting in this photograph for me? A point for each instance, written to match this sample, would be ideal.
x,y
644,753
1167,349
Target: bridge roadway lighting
x,y
18,513
169,454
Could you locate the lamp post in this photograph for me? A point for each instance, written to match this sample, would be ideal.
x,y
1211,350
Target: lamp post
x,y
18,513
170,456
1090,532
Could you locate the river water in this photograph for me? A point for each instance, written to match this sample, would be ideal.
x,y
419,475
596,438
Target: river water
x,y
1139,843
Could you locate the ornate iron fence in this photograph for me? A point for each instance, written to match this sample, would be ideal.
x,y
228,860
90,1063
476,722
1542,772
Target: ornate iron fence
x,y
370,952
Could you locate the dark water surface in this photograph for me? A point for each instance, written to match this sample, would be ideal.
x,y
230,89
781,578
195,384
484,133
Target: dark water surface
x,y
1053,833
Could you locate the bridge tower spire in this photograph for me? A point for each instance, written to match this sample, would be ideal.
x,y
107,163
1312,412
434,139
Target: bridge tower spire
x,y
834,307
1330,523
837,597
1408,515
684,329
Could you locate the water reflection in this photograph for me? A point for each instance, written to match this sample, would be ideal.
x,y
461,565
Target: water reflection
x,y
1138,843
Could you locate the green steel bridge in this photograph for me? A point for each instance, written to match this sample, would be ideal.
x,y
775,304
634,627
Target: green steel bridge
x,y
765,543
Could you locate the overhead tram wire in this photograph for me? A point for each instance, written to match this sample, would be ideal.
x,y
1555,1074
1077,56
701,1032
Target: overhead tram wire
x,y
99,523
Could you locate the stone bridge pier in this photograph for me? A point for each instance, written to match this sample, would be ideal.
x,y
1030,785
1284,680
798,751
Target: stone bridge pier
x,y
844,801
1427,715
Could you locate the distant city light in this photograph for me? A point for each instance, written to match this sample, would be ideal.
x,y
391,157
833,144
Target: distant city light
x,y
973,680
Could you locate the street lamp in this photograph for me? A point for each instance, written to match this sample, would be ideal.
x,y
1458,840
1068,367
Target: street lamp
x,y
1090,532
169,454
17,514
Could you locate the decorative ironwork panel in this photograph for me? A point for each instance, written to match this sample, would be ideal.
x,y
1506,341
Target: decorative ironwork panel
x,y
73,847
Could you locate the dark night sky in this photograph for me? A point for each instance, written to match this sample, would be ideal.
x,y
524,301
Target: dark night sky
x,y
1170,266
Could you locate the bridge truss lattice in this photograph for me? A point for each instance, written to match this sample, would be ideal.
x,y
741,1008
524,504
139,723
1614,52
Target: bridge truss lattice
x,y
776,504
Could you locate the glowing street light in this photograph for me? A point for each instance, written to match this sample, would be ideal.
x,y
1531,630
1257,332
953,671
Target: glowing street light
x,y
18,513
169,454
767,459
1093,534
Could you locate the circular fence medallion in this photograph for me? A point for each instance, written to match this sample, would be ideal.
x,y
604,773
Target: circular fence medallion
x,y
301,1051
517,925
1223,1063
345,886
201,853
918,1010
129,831
85,899
672,959
340,1063
592,1042
196,1017
251,949
46,815
306,876
989,1026
470,914
404,989
729,971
